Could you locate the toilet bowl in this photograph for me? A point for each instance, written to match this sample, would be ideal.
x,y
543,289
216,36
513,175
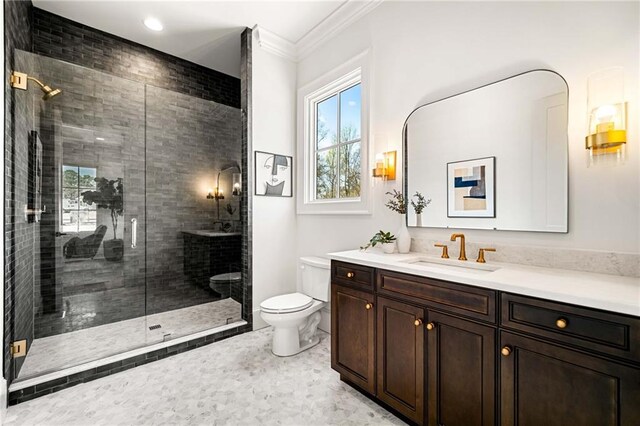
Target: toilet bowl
x,y
222,283
295,316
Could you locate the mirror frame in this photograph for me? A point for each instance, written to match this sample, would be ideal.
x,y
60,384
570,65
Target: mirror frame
x,y
405,159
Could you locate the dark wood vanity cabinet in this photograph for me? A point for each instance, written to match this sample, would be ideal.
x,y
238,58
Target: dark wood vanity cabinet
x,y
400,355
447,354
461,371
353,336
545,384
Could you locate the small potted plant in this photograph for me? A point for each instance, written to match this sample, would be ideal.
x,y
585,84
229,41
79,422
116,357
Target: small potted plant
x,y
398,204
386,240
419,205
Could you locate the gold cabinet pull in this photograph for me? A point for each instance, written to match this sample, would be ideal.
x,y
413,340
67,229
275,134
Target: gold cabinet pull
x,y
417,322
430,326
506,351
350,274
561,323
368,306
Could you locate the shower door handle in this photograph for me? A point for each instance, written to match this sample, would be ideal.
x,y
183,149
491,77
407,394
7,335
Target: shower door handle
x,y
134,233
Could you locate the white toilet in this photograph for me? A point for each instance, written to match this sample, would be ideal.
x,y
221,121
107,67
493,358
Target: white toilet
x,y
295,316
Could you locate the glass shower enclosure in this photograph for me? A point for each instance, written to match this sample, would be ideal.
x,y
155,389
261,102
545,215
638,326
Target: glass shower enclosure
x,y
109,220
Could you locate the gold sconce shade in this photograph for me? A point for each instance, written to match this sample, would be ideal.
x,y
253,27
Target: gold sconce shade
x,y
607,109
386,165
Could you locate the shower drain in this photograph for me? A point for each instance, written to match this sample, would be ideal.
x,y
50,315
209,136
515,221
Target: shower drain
x,y
155,327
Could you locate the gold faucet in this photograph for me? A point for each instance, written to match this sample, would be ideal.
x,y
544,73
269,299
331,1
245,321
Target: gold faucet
x,y
463,251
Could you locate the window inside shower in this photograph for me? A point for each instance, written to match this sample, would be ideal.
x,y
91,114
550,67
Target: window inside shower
x,y
125,247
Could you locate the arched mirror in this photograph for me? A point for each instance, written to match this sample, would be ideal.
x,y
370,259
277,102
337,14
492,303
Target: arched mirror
x,y
494,157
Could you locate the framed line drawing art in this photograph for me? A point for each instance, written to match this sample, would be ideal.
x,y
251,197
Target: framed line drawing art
x,y
273,174
471,188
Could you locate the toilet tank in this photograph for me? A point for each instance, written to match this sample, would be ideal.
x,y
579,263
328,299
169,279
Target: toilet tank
x,y
316,277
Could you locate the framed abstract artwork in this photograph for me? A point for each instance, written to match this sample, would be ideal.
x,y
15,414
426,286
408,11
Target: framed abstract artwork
x,y
274,174
471,188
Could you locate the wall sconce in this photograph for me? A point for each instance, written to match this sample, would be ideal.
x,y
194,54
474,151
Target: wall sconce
x,y
237,184
607,133
386,165
215,195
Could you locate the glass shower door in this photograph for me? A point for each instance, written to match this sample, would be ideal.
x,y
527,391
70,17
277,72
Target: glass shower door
x,y
84,215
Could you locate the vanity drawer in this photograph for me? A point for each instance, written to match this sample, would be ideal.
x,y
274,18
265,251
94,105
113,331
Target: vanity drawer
x,y
608,333
465,300
352,275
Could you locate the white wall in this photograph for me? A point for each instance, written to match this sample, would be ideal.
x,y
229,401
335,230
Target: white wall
x,y
423,51
274,219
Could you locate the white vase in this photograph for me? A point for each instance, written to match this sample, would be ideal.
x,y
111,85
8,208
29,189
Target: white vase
x,y
388,247
418,219
403,238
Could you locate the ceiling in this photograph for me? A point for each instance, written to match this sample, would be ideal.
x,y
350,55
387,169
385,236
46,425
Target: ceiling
x,y
204,32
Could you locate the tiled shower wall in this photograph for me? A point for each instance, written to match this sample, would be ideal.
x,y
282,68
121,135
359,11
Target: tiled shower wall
x,y
188,141
19,236
31,29
70,41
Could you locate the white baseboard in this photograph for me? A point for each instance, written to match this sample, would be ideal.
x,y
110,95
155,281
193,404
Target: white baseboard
x,y
3,400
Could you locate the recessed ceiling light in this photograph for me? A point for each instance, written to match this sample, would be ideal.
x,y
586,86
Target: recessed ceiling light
x,y
153,24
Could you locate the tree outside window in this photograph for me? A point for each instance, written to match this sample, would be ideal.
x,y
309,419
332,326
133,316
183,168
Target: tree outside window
x,y
337,145
77,216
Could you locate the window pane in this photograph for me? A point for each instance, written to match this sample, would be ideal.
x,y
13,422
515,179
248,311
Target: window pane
x,y
87,220
70,220
87,177
350,107
327,122
70,198
70,176
350,170
326,174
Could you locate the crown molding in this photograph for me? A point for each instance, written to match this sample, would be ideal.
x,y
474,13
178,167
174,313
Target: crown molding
x,y
338,20
349,12
272,42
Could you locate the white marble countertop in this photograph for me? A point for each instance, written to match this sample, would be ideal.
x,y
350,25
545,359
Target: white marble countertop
x,y
607,292
207,233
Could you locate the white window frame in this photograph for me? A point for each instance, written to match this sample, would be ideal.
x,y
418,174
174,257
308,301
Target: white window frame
x,y
338,80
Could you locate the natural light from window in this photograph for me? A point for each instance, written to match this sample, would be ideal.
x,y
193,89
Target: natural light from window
x,y
77,216
337,145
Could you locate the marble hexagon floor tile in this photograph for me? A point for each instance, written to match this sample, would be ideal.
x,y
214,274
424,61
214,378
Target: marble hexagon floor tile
x,y
233,382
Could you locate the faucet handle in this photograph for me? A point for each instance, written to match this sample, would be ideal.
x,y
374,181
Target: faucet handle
x,y
445,250
480,258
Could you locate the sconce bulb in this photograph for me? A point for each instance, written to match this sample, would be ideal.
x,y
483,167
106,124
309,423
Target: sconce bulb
x,y
606,113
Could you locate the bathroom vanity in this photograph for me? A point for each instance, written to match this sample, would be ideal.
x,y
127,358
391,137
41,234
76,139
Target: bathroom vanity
x,y
445,343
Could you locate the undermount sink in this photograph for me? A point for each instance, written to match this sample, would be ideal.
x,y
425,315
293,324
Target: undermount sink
x,y
452,265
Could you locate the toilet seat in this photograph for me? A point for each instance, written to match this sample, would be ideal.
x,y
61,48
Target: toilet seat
x,y
286,303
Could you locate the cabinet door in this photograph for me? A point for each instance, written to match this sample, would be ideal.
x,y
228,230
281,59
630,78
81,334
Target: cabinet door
x,y
460,372
401,357
352,336
544,384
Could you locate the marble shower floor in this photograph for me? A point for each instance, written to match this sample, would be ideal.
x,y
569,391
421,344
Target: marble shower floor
x,y
76,347
236,381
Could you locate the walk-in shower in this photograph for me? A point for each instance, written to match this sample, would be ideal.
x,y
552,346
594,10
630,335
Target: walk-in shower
x,y
111,230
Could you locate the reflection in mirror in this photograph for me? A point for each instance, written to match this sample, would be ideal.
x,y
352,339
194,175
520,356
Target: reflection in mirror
x,y
493,157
